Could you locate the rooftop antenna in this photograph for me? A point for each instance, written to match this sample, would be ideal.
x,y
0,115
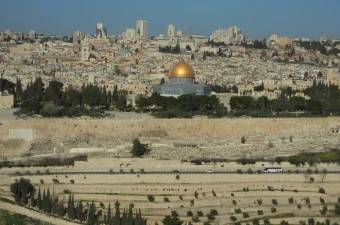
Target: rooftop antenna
x,y
185,28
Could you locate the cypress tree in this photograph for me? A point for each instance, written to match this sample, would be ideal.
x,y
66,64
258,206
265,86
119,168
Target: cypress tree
x,y
44,201
124,218
109,217
91,214
72,215
39,202
48,200
117,214
33,201
115,93
130,215
69,205
80,212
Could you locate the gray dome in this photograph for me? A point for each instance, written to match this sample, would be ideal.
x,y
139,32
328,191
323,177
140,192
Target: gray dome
x,y
124,51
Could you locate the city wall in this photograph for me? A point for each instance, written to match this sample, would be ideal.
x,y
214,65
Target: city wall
x,y
12,133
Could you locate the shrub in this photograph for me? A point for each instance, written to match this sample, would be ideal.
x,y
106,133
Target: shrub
x,y
185,189
121,170
299,206
196,194
233,218
239,171
259,171
238,210
42,181
142,170
132,170
180,197
307,200
266,222
295,190
151,198
177,177
311,179
72,181
270,188
101,205
56,181
243,140
283,222
274,201
174,213
246,189
47,170
259,212
259,201
213,212
311,221
250,171
270,144
199,213
213,192
273,210
111,171
195,218
234,202
255,222
166,199
337,209
206,223
189,213
210,216
282,189
322,191
324,210
245,215
322,201
67,191
192,202
291,200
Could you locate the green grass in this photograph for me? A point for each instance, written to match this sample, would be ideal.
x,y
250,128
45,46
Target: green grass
x,y
18,219
6,200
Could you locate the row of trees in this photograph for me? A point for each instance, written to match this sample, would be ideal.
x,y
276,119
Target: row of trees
x,y
55,101
169,49
186,105
23,190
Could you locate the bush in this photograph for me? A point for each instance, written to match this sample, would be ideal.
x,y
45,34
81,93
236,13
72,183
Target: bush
x,y
246,189
67,191
199,213
243,140
196,194
250,171
195,218
307,200
42,181
270,188
259,212
189,213
291,200
239,171
132,170
151,198
245,215
72,181
111,171
213,212
166,199
299,206
238,210
259,201
210,216
322,201
213,192
174,213
273,210
311,179
177,177
274,201
180,197
295,190
259,171
255,222
234,202
192,202
233,218
101,205
322,191
142,170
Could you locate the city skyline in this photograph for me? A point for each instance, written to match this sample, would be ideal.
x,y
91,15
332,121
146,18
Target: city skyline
x,y
258,18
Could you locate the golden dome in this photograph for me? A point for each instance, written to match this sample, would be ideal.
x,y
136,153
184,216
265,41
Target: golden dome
x,y
182,69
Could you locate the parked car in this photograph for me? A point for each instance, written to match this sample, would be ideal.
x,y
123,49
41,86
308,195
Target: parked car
x,y
175,171
209,171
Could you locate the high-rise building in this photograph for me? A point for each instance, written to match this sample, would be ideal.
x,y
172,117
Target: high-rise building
x,y
142,29
171,31
129,34
31,34
78,36
101,31
227,36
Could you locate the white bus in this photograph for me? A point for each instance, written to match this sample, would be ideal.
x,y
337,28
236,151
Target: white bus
x,y
272,169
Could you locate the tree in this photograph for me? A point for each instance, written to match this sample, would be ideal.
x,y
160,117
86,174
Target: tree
x,y
188,48
168,220
91,219
109,217
162,81
121,103
204,56
117,220
81,216
22,191
138,149
39,201
192,56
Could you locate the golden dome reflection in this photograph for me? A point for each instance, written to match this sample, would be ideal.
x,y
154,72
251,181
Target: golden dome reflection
x,y
182,69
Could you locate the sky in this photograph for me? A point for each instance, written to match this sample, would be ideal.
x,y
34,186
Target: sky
x,y
259,18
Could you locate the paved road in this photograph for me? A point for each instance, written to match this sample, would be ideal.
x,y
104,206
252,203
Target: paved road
x,y
157,172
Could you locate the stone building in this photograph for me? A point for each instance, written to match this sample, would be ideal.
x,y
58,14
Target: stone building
x,y
6,100
182,81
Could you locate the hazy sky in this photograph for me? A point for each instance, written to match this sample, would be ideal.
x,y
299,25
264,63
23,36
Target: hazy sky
x,y
295,18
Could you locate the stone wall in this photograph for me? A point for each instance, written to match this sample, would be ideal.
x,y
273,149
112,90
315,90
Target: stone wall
x,y
214,134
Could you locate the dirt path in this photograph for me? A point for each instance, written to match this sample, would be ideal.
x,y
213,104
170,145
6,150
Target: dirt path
x,y
33,214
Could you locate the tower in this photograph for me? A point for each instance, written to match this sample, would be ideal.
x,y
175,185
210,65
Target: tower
x,y
142,29
85,52
101,31
171,31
